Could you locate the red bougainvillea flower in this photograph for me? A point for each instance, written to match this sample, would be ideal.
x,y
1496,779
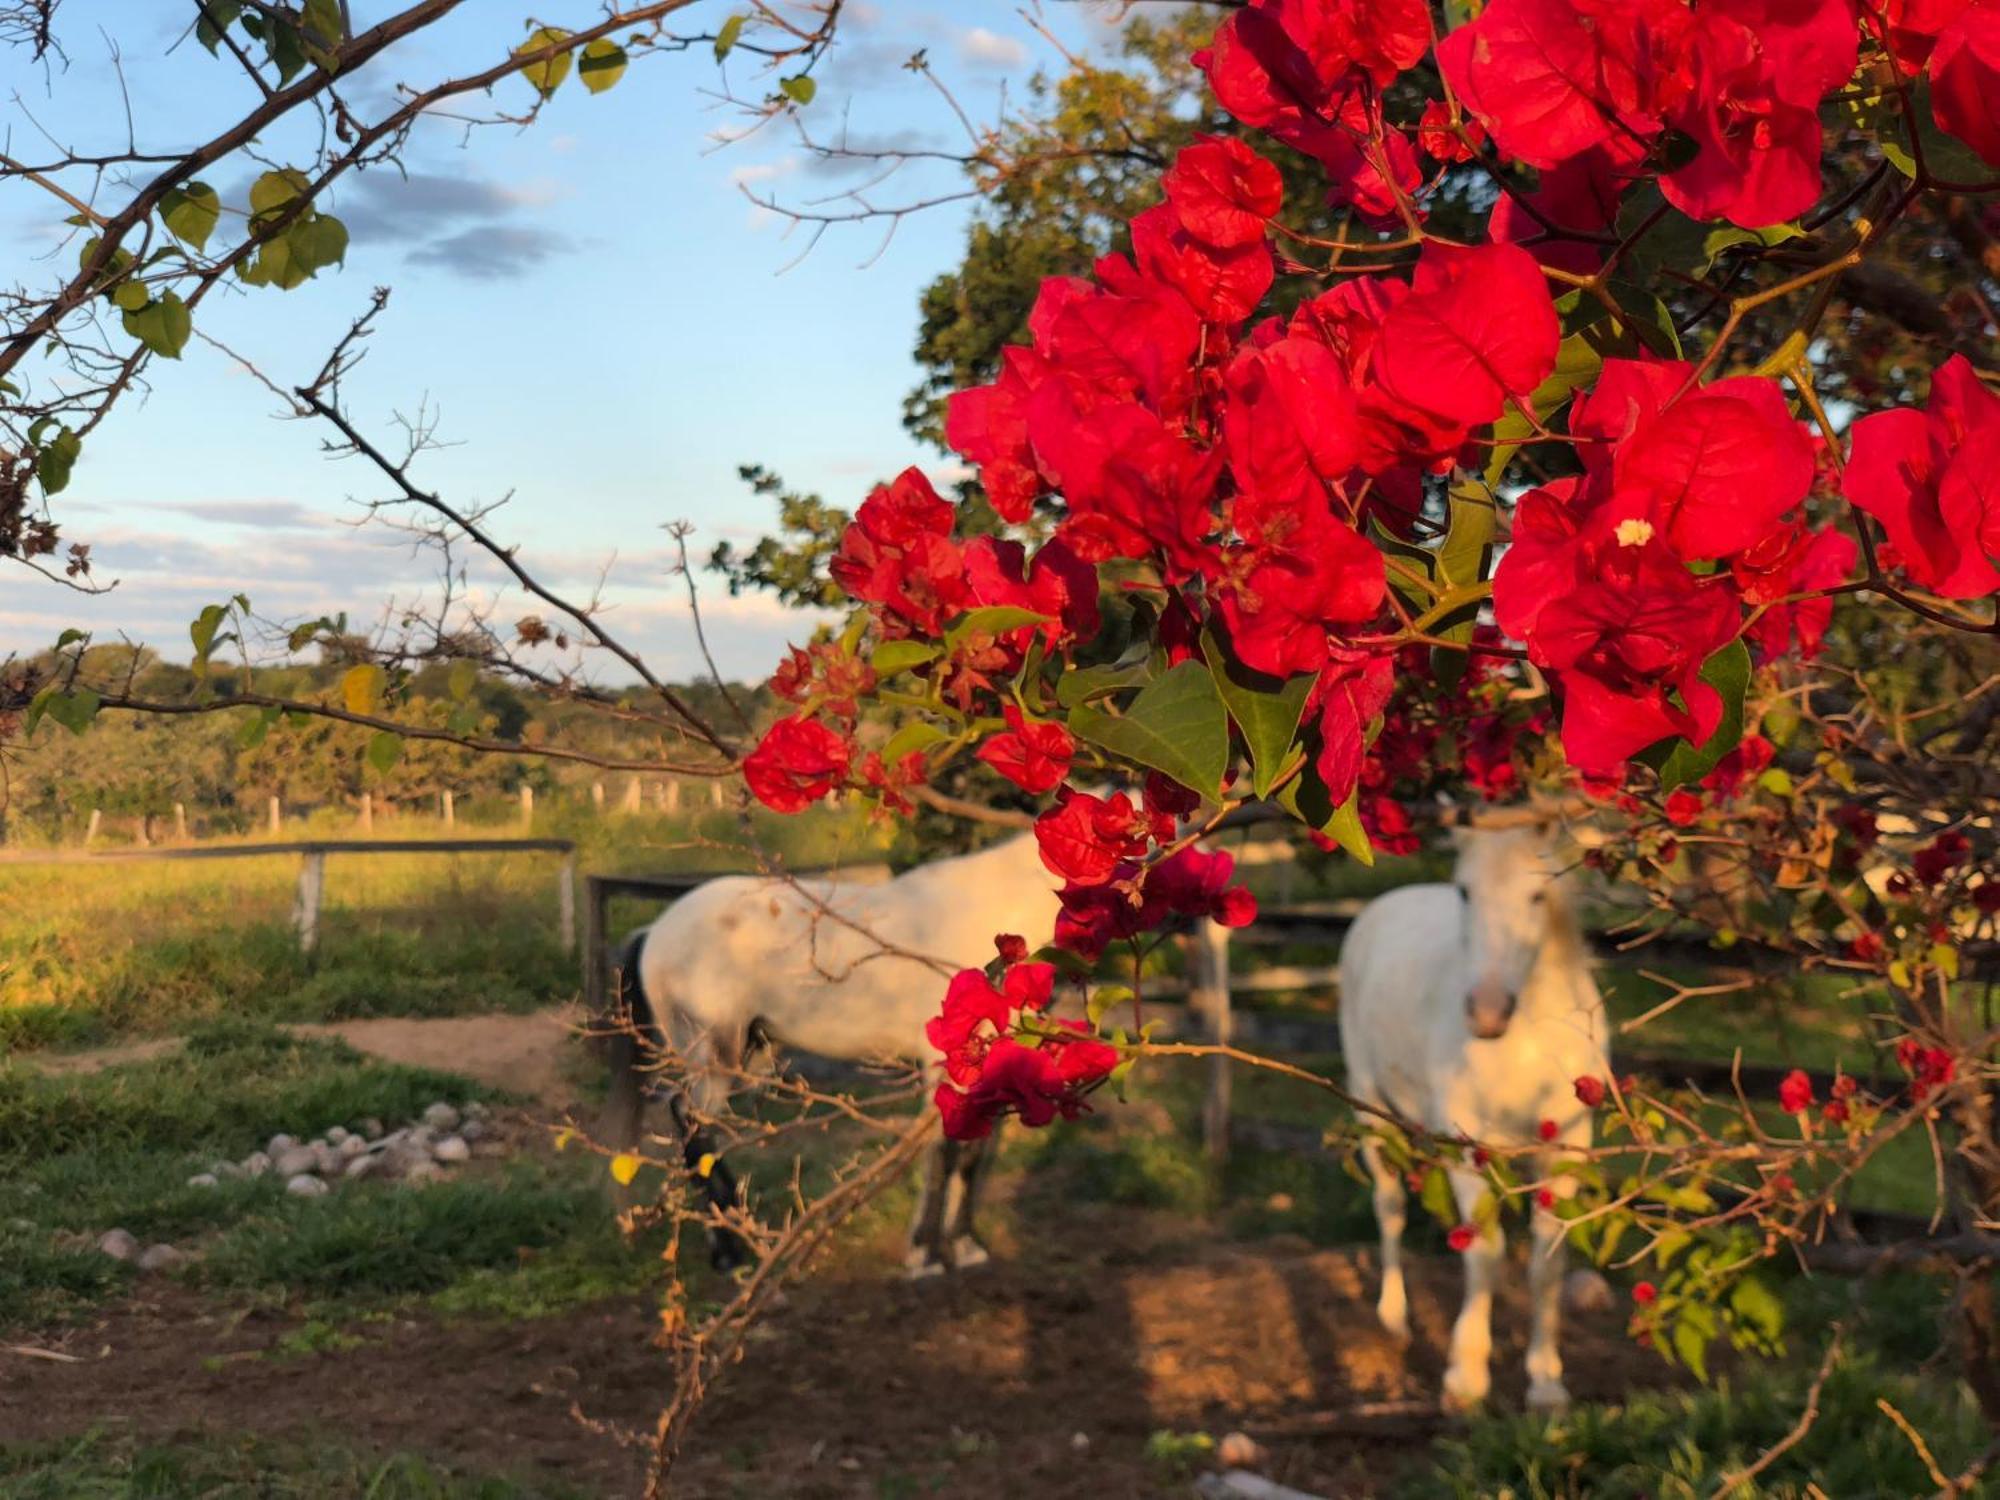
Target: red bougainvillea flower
x,y
1795,1092
1545,1199
1645,1293
1298,574
1011,947
1866,947
1965,80
1929,1067
1564,218
1548,1130
1462,1237
890,782
1683,807
798,761
1037,1083
1788,562
1224,192
1083,838
1940,856
1443,141
1033,754
1932,478
1140,898
1590,1091
1751,758
1986,896
899,554
824,676
974,1015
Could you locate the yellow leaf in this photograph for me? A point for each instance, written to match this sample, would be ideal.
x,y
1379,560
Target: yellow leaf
x,y
564,1137
624,1167
548,72
361,688
1944,957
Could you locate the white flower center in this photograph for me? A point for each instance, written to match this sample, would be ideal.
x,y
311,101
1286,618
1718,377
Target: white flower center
x,y
1634,533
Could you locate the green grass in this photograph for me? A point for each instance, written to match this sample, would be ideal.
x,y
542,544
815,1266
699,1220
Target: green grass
x,y
1679,1446
242,1468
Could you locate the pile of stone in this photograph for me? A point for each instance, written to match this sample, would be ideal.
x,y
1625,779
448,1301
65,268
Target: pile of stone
x,y
416,1153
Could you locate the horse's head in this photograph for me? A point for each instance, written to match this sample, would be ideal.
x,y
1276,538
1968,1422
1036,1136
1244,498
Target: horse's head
x,y
1509,883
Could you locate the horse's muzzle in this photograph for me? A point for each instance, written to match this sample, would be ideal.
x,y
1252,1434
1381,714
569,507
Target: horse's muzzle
x,y
1488,1011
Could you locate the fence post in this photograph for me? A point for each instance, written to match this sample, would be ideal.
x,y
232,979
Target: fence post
x,y
527,807
670,797
566,902
450,805
1208,995
593,951
180,822
90,833
367,812
715,793
597,797
312,882
632,794
277,818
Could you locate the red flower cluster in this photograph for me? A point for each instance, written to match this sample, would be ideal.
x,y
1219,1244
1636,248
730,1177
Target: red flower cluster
x,y
992,1071
1597,581
1941,856
798,762
1582,87
1929,1067
1141,898
1957,42
1590,1091
1932,478
1033,755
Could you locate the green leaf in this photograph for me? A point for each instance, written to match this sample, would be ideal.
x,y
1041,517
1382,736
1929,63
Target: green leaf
x,y
1469,535
1725,236
163,325
602,65
323,29
1758,1308
70,637
56,458
1306,798
1678,762
202,632
1266,709
73,710
255,728
191,213
1945,156
546,74
892,657
799,89
1176,726
991,620
130,296
216,17
1086,683
361,688
272,191
1103,999
915,735
726,38
317,241
464,678
1578,361
384,750
1437,1197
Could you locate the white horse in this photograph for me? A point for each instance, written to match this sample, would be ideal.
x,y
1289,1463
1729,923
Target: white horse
x,y
849,972
1468,1009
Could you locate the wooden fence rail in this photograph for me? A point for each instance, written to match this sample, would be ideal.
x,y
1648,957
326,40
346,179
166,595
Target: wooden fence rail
x,y
313,855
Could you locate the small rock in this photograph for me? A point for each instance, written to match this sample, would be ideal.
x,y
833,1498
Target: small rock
x,y
420,1135
350,1147
256,1164
1239,1450
1584,1291
226,1169
203,1179
336,1135
327,1160
422,1171
476,1111
1079,1441
118,1244
441,1117
280,1144
451,1148
371,1128
362,1165
305,1185
472,1130
295,1161
161,1258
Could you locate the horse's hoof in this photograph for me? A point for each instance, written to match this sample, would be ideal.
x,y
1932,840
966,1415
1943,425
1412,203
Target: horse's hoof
x,y
1396,1326
1461,1398
966,1252
728,1255
923,1269
1547,1397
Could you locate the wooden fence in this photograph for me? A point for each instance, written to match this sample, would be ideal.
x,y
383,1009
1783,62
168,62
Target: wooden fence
x,y
313,855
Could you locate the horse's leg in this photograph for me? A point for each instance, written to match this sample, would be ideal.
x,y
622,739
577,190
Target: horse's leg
x,y
710,1058
1546,1391
1393,1306
925,1256
1467,1377
961,1197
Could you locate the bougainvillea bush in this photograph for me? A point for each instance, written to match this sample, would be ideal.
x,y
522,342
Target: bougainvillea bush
x,y
1334,520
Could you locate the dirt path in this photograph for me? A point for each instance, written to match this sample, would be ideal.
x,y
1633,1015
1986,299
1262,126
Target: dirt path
x,y
1010,1381
526,1055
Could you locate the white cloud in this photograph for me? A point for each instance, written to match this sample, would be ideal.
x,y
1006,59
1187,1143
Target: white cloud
x,y
983,48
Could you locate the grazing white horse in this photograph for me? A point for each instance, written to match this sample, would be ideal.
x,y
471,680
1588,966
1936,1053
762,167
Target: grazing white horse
x,y
1469,1009
839,970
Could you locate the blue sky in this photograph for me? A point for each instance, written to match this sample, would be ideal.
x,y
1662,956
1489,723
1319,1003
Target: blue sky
x,y
600,321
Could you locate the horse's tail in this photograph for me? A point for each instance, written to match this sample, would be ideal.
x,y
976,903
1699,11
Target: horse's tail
x,y
635,1031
